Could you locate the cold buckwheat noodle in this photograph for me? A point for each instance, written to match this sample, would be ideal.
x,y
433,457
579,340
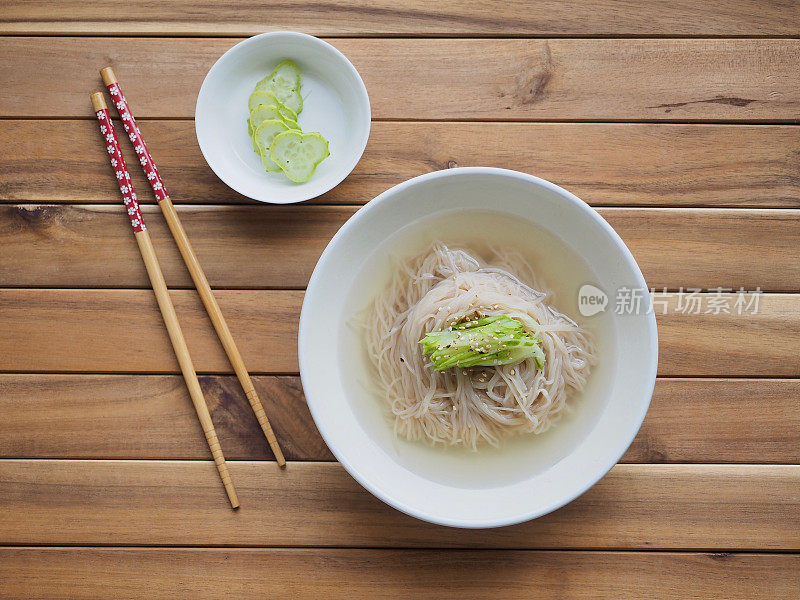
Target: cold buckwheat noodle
x,y
470,407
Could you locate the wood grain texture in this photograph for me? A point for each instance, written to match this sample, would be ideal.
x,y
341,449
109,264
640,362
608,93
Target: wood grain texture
x,y
412,17
319,504
150,417
100,573
90,330
277,247
516,79
608,164
122,330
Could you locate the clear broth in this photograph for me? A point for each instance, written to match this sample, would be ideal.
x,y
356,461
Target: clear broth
x,y
561,270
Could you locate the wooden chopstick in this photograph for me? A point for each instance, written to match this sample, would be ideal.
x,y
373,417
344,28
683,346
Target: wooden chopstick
x,y
189,257
160,289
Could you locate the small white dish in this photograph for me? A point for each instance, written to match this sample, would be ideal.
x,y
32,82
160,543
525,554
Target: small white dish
x,y
534,474
335,104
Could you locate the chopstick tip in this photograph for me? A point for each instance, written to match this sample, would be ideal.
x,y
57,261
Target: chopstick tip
x,y
98,102
108,75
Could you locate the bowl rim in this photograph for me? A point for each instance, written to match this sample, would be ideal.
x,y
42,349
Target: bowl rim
x,y
636,420
313,40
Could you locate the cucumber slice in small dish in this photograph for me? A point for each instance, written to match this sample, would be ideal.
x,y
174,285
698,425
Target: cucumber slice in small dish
x,y
258,98
260,114
291,124
269,164
298,154
286,76
287,112
291,100
263,139
263,112
284,82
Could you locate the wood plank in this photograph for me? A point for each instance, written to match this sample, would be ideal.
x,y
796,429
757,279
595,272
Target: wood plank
x,y
277,247
149,417
319,504
706,344
422,574
608,164
413,17
508,79
700,420
122,331
240,247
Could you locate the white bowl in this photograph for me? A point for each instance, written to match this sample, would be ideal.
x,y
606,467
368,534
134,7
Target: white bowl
x,y
335,104
532,475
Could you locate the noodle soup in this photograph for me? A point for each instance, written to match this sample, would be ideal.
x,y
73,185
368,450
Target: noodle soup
x,y
487,457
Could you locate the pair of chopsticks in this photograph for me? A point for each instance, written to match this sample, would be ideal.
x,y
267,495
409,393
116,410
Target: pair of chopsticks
x,y
157,278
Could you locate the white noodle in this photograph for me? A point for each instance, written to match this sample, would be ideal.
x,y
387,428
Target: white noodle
x,y
469,407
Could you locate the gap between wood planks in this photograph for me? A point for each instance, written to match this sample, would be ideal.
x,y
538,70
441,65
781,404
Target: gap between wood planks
x,y
733,122
455,550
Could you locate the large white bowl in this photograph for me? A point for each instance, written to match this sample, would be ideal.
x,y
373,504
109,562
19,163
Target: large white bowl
x,y
360,443
335,104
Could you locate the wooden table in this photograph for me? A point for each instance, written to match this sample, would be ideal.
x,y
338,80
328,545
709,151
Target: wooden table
x,y
678,120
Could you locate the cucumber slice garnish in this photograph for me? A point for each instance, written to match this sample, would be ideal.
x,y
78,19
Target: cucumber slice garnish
x,y
287,112
263,112
292,100
298,154
266,113
284,82
263,139
260,97
285,75
291,124
273,128
258,115
268,164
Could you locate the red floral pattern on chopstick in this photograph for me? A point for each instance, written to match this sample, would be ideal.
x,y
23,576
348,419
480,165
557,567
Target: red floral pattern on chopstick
x,y
132,129
120,170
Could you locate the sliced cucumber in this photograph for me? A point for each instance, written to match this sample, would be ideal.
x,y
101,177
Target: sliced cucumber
x,y
291,100
286,76
263,138
291,124
269,164
263,112
258,115
298,154
287,112
284,82
260,97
